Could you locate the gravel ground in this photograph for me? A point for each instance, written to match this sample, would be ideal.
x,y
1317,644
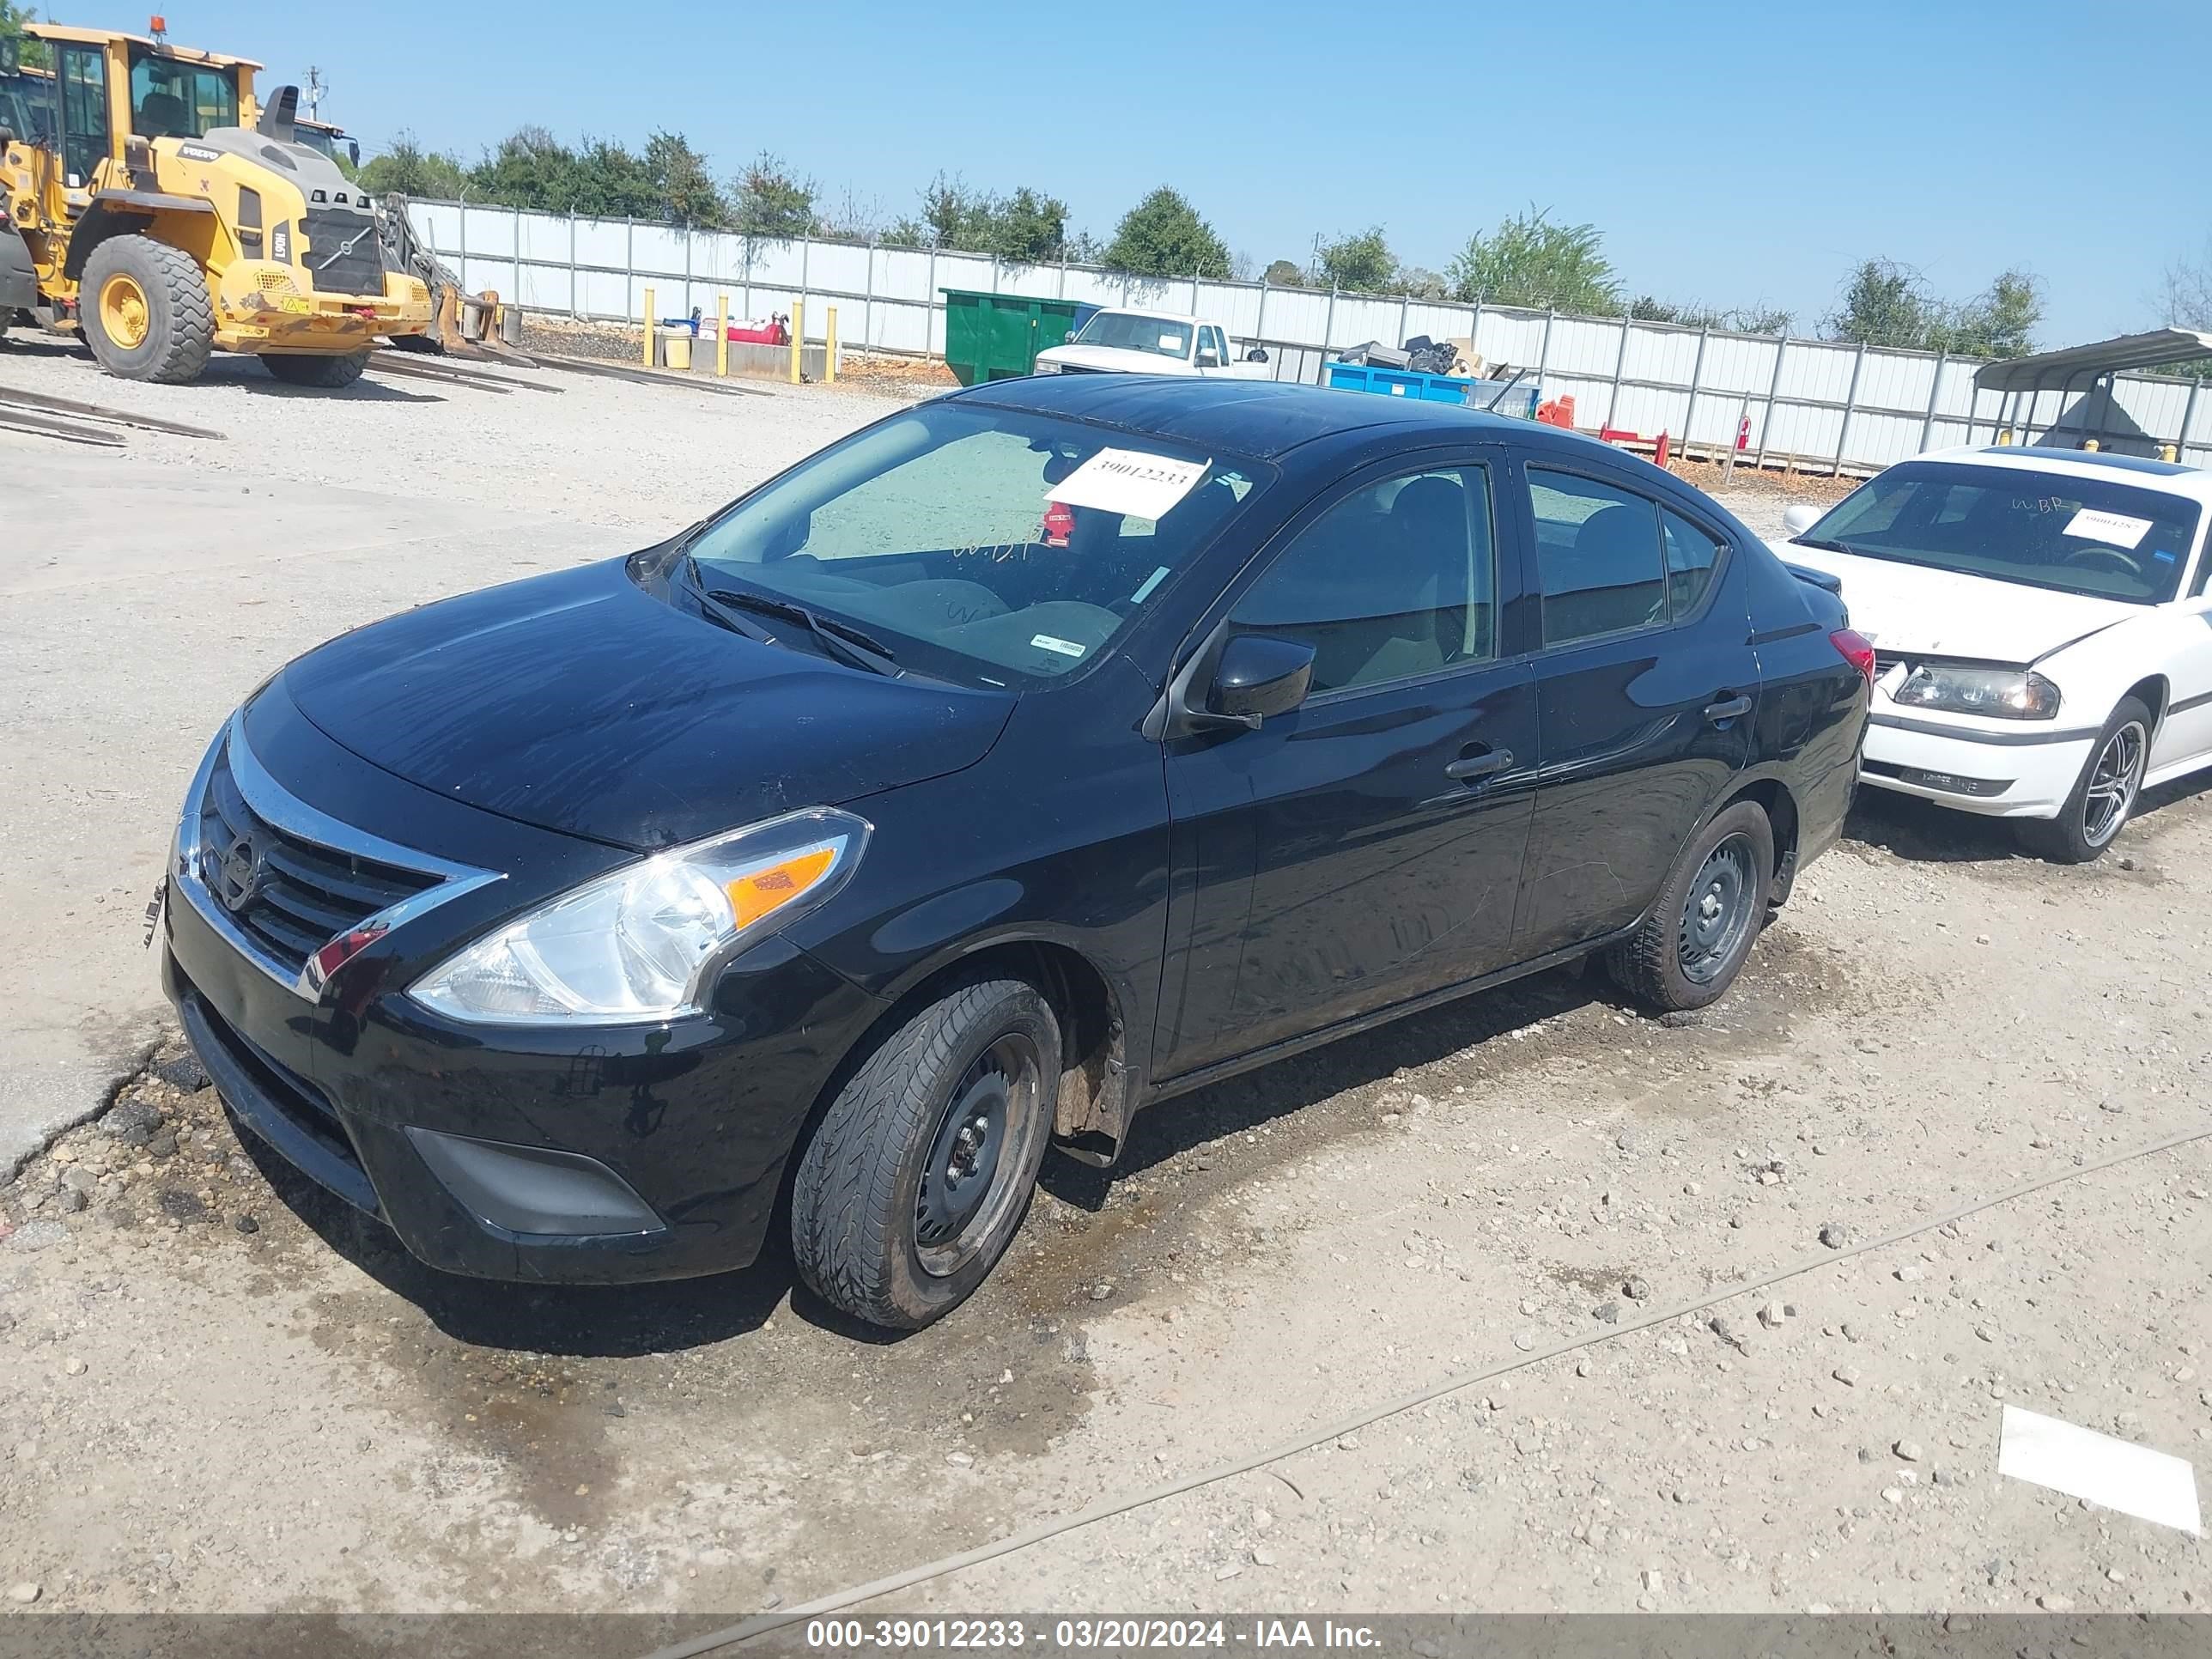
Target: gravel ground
x,y
222,1393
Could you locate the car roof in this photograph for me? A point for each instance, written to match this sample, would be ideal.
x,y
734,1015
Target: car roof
x,y
1265,419
2193,482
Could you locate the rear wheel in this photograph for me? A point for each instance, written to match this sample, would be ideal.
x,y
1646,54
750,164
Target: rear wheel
x,y
919,1174
146,311
328,373
2103,796
1688,950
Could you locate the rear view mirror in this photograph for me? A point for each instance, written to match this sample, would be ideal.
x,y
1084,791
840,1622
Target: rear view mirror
x,y
1799,519
1208,360
1259,677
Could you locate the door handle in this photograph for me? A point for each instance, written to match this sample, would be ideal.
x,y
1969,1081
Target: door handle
x,y
1727,710
1488,764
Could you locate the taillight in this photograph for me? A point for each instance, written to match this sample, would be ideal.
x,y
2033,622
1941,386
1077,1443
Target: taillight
x,y
1858,650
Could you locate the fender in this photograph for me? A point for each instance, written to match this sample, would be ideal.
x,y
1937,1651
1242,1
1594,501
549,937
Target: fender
x,y
121,213
19,280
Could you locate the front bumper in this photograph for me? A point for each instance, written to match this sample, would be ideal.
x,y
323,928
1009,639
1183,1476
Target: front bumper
x,y
666,1144
2016,772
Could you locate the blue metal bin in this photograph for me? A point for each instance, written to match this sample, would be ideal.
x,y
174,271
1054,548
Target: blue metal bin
x,y
1398,383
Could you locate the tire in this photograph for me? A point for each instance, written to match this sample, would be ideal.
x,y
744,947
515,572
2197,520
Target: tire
x,y
1688,950
2093,815
328,373
163,334
871,1207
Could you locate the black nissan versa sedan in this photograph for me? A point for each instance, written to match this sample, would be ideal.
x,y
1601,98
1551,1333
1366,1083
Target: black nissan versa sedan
x,y
1031,756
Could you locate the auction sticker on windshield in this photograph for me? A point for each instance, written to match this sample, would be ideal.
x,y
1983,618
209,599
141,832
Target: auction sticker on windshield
x,y
1130,482
2113,529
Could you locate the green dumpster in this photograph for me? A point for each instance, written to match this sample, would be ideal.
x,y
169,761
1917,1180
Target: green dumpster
x,y
997,337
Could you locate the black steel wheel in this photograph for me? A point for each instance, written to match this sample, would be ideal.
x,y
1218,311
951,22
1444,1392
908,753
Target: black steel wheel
x,y
918,1175
1693,940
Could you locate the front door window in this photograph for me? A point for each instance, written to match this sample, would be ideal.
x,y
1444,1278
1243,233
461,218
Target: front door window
x,y
84,114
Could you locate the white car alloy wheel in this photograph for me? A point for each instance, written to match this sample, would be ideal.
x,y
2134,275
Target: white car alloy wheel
x,y
2114,777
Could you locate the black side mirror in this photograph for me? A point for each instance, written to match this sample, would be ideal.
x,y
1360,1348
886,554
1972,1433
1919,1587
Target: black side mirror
x,y
7,137
1258,677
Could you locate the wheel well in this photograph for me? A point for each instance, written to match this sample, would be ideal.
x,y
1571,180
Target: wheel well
x,y
1093,1109
2151,691
1780,806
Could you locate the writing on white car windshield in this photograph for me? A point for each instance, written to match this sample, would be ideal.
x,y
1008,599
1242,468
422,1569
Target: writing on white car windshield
x,y
2076,535
1125,331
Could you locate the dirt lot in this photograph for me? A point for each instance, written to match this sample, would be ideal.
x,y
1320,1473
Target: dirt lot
x,y
1735,1315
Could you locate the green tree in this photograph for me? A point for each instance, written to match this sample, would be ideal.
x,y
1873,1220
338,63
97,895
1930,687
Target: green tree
x,y
1025,227
1884,304
1360,260
1419,282
1999,322
688,194
770,203
1529,261
1284,274
1888,303
31,53
1163,235
1739,320
408,168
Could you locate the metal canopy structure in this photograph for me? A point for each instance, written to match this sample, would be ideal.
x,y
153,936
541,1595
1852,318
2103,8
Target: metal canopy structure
x,y
2047,369
2090,369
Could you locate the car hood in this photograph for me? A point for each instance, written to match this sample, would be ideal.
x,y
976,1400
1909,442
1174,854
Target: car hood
x,y
1118,359
579,703
1908,608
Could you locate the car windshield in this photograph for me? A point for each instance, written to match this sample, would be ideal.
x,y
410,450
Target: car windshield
x,y
171,99
2052,529
981,545
1126,331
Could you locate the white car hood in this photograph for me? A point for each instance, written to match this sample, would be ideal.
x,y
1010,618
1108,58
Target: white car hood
x,y
1116,359
1908,609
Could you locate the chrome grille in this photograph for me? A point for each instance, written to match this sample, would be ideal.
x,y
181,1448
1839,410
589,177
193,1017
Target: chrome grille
x,y
289,895
295,891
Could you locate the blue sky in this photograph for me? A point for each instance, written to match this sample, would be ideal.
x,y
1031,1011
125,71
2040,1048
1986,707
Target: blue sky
x,y
1730,153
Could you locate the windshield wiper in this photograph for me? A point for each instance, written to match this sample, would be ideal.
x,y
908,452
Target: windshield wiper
x,y
839,639
1829,545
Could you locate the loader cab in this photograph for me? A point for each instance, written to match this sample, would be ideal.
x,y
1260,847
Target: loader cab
x,y
105,90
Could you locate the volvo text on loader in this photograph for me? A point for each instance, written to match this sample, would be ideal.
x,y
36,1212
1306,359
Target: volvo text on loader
x,y
152,206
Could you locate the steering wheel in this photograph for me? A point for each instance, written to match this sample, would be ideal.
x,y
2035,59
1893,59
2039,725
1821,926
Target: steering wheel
x,y
2127,563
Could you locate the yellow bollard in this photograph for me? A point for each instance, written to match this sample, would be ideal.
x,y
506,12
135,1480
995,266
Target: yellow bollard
x,y
797,336
830,349
649,328
2091,445
2167,452
722,335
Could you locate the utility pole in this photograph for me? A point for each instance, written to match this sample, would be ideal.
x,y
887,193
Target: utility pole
x,y
316,88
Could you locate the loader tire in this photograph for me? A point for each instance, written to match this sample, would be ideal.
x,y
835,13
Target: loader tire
x,y
329,373
147,311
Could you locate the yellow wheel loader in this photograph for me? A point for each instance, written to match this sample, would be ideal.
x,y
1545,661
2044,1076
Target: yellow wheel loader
x,y
154,208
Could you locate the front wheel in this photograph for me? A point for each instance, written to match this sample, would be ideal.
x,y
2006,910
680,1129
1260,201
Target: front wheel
x,y
328,373
918,1176
1688,950
146,311
2103,795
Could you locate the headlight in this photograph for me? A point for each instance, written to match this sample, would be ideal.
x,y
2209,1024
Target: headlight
x,y
643,942
2012,694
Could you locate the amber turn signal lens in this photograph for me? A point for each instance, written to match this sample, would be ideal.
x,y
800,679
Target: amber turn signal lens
x,y
760,892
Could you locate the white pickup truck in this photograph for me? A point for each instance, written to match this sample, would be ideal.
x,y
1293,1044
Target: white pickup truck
x,y
1125,341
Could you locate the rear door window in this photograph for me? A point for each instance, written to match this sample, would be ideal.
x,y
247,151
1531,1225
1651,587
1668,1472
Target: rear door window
x,y
1599,561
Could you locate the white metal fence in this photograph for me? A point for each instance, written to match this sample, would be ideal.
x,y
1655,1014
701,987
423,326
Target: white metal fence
x,y
1826,403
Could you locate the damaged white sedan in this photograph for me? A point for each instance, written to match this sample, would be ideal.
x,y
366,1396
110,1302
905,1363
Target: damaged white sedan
x,y
2042,631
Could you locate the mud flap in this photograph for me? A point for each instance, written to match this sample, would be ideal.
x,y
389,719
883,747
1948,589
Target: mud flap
x,y
19,281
